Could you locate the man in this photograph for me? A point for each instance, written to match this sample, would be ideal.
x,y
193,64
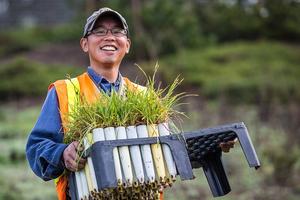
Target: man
x,y
105,39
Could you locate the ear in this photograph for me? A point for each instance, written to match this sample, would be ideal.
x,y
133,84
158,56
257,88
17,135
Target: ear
x,y
128,45
84,44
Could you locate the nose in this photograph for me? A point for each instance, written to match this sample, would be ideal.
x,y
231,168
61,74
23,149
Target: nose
x,y
109,36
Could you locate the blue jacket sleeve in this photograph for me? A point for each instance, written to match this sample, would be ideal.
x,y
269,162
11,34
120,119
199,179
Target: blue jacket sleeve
x,y
45,145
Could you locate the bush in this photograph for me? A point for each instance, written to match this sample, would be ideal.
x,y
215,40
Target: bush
x,y
25,78
19,39
235,20
241,72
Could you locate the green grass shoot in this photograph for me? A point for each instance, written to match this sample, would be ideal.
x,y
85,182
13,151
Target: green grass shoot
x,y
149,105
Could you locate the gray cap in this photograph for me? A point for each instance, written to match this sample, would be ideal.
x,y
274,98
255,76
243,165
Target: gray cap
x,y
90,22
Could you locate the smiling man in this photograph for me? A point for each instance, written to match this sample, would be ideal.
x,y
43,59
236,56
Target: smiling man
x,y
105,40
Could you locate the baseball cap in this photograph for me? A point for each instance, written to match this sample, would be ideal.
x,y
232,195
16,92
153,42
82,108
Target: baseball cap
x,y
90,22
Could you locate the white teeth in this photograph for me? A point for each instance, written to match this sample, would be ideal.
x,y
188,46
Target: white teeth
x,y
109,48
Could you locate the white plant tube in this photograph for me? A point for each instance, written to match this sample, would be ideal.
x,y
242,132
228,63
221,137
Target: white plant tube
x,y
157,154
164,130
110,134
79,185
92,174
87,173
98,135
124,156
84,184
146,153
135,154
88,177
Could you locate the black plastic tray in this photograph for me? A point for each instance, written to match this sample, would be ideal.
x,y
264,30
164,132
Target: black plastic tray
x,y
190,150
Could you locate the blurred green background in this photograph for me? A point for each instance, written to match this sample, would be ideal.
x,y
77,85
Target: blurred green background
x,y
242,58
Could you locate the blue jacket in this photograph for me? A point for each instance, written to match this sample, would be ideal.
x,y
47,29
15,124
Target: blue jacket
x,y
45,145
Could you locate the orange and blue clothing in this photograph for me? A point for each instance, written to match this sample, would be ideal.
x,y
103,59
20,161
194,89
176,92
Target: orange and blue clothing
x,y
45,145
44,149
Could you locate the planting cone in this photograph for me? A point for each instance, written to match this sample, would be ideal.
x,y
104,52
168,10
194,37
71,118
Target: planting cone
x,y
79,185
157,154
110,134
87,172
98,135
146,153
88,177
91,168
124,156
163,130
84,184
135,154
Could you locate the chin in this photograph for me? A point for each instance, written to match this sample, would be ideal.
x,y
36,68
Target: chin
x,y
109,64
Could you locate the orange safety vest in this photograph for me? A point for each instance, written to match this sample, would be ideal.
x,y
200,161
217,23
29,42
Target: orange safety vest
x,y
65,90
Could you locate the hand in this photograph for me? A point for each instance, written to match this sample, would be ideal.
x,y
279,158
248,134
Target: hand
x,y
70,157
226,146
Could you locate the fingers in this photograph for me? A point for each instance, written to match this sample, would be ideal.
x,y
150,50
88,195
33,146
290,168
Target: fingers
x,y
70,152
81,164
70,157
74,165
226,146
71,165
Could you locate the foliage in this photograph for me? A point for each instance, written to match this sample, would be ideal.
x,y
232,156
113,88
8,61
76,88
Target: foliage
x,y
176,25
25,78
160,28
164,27
235,20
14,128
19,39
241,72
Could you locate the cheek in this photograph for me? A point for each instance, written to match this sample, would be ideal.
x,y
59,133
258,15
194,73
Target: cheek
x,y
93,44
124,45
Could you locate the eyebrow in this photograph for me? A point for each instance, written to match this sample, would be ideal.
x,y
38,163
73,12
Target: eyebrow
x,y
102,26
100,23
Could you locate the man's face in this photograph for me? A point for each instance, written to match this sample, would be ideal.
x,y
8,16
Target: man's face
x,y
108,50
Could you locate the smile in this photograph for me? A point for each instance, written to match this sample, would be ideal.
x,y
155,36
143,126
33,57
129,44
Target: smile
x,y
109,48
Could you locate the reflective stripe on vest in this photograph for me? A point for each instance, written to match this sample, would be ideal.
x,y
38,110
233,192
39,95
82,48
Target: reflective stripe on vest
x,y
67,94
73,91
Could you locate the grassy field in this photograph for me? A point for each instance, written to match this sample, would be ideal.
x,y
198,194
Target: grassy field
x,y
17,181
244,72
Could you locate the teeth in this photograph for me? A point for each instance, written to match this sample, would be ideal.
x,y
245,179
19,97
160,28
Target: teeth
x,y
109,48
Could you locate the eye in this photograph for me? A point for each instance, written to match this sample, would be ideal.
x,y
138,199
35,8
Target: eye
x,y
100,31
118,31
